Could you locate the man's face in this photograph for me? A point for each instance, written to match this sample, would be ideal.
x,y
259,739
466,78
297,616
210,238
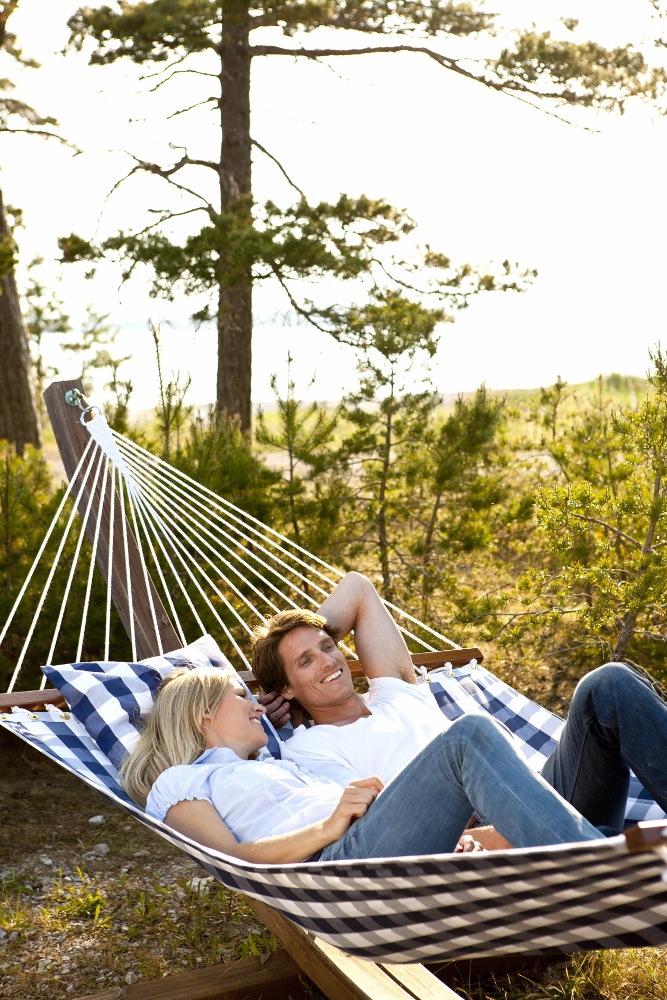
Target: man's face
x,y
317,672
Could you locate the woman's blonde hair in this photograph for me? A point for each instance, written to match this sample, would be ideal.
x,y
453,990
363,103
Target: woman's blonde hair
x,y
173,731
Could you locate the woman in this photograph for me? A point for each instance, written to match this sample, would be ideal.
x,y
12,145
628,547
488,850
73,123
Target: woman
x,y
193,768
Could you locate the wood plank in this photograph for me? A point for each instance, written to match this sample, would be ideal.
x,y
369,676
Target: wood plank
x,y
72,439
276,978
34,701
340,976
438,658
418,982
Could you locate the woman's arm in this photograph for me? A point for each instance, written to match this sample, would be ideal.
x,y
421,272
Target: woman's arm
x,y
200,821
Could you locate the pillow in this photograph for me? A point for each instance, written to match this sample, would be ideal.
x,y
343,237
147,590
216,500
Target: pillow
x,y
109,698
204,652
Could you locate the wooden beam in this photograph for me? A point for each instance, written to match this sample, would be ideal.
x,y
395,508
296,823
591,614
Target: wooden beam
x,y
33,701
341,976
457,658
72,438
419,983
275,978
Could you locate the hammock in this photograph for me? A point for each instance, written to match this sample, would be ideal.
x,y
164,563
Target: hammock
x,y
160,539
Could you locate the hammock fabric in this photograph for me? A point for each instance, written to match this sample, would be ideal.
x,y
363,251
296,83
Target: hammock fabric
x,y
533,901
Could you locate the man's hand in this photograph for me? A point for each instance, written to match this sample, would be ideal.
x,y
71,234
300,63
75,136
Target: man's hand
x,y
354,802
280,710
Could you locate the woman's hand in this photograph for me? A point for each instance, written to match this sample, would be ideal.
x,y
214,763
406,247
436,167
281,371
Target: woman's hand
x,y
354,802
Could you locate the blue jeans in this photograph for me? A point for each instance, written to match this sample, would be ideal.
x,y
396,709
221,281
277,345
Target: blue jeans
x,y
616,723
474,766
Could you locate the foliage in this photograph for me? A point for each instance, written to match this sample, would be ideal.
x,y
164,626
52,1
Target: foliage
x,y
310,491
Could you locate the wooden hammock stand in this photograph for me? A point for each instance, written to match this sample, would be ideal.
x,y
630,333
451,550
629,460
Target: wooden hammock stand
x,y
338,975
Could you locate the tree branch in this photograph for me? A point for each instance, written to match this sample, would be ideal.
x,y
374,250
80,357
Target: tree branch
x,y
196,72
279,165
512,88
184,111
610,527
295,305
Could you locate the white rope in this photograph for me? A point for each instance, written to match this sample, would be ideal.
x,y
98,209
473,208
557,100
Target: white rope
x,y
252,553
167,501
149,589
219,500
148,478
128,575
147,492
75,560
93,557
142,504
148,461
176,545
156,563
174,508
40,605
112,505
192,494
35,564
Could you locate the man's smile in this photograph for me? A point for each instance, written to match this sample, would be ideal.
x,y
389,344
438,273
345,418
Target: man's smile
x,y
332,676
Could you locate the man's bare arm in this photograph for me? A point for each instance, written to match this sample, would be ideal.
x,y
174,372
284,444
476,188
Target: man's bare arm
x,y
354,606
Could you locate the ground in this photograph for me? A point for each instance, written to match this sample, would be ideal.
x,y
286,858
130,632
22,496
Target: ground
x,y
84,906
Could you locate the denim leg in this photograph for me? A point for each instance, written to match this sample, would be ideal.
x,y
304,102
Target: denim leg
x,y
616,723
474,766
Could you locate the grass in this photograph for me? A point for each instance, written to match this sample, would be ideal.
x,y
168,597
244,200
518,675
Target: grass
x,y
633,974
75,923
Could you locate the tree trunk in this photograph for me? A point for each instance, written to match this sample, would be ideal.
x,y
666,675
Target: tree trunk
x,y
235,299
19,414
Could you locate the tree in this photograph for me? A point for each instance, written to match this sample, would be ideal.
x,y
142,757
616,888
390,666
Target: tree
x,y
311,489
602,582
393,335
19,411
454,474
241,244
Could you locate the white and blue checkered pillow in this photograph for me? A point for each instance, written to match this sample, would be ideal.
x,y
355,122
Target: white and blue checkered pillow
x,y
110,698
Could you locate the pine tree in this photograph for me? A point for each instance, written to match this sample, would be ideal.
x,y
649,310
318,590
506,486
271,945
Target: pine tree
x,y
241,244
19,411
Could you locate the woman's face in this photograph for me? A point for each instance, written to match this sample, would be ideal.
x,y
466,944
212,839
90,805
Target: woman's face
x,y
236,724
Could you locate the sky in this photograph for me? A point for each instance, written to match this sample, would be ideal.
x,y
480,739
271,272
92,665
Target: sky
x,y
485,177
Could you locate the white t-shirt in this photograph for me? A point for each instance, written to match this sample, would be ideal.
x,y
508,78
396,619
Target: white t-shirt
x,y
405,718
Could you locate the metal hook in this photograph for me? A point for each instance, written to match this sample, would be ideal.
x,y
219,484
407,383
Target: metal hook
x,y
73,397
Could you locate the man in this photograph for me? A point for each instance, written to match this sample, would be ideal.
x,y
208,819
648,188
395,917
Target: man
x,y
616,721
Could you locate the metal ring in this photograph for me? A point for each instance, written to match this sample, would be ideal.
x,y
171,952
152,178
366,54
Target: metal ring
x,y
85,410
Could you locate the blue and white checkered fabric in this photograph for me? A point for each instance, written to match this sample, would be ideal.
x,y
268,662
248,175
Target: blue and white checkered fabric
x,y
536,729
524,902
110,698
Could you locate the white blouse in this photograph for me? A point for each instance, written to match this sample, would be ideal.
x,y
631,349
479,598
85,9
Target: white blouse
x,y
255,798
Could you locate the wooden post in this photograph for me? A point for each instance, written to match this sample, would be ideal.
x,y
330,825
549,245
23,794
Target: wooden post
x,y
72,438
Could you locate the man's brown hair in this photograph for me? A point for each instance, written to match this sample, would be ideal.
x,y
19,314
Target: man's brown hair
x,y
267,663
